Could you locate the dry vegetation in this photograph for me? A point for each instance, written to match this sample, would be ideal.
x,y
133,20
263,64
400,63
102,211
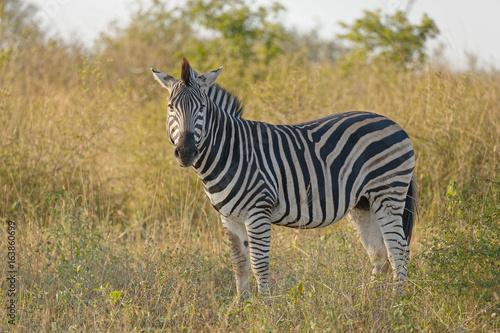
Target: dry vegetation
x,y
113,236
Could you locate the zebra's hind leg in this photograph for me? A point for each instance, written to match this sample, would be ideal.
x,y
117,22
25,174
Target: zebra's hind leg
x,y
238,240
388,214
370,236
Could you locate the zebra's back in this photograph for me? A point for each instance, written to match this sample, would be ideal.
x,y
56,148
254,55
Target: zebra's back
x,y
324,167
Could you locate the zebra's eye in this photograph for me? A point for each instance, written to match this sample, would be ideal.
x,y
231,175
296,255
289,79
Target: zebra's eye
x,y
170,106
202,106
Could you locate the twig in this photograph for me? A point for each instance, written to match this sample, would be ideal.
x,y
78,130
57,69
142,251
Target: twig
x,y
484,309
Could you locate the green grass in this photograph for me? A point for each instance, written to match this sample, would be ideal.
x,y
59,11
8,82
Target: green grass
x,y
113,236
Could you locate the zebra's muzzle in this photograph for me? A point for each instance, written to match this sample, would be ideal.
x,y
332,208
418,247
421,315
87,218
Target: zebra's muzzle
x,y
186,151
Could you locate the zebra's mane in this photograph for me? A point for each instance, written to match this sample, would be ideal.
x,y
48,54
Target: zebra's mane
x,y
225,100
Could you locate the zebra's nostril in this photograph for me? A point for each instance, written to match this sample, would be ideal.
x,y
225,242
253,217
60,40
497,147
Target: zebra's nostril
x,y
186,155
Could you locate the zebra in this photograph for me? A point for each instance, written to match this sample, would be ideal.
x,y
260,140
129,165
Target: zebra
x,y
308,175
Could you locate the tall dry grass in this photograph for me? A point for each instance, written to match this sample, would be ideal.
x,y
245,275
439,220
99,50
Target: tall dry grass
x,y
114,236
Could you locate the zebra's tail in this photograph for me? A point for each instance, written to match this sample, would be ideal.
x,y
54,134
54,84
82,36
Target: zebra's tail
x,y
410,212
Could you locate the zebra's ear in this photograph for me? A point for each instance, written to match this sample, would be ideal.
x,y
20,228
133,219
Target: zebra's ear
x,y
165,80
207,79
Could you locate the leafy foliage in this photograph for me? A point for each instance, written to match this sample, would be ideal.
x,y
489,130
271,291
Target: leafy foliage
x,y
388,37
236,29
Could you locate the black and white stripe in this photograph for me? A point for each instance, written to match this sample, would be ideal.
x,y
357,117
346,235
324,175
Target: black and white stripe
x,y
308,175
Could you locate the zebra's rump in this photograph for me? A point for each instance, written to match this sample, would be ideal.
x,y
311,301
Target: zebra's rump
x,y
325,166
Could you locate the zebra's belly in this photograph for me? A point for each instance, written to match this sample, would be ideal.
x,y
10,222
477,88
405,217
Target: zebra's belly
x,y
306,216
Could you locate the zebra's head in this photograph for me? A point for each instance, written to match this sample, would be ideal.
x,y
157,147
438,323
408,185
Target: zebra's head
x,y
187,103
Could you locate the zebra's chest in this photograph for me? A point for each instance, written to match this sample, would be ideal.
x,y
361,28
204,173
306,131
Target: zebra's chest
x,y
216,199
242,195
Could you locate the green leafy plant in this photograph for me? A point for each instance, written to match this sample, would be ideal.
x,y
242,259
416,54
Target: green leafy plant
x,y
115,295
296,292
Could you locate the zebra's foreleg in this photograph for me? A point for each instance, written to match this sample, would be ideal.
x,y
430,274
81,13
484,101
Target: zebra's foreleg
x,y
259,236
237,235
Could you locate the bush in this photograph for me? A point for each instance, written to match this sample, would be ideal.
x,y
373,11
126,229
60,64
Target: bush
x,y
463,253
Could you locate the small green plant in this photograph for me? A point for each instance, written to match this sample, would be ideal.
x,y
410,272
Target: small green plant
x,y
115,295
452,191
296,292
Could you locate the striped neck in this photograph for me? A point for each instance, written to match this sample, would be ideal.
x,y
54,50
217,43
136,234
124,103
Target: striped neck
x,y
219,134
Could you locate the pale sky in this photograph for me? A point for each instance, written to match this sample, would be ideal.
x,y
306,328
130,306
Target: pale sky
x,y
466,26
